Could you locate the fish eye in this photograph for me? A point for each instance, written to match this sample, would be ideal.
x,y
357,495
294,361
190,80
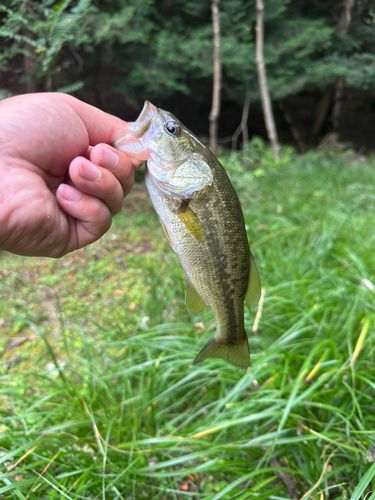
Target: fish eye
x,y
173,128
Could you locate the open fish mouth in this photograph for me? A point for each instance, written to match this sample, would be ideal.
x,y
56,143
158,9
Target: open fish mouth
x,y
147,112
132,142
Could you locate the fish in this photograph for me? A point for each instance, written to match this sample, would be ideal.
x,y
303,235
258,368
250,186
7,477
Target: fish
x,y
204,224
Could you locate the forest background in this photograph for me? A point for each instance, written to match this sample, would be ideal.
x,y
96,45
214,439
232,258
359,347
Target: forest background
x,y
319,55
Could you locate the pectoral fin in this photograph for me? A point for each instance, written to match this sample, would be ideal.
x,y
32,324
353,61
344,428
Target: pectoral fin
x,y
191,221
253,288
194,301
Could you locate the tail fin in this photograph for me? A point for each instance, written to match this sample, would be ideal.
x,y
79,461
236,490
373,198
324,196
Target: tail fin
x,y
236,354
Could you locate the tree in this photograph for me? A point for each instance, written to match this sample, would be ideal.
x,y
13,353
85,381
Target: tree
x,y
262,78
46,36
216,83
344,23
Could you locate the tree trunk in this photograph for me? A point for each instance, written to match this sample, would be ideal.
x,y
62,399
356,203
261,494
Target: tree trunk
x,y
344,23
29,62
216,85
262,78
322,111
29,67
242,127
294,129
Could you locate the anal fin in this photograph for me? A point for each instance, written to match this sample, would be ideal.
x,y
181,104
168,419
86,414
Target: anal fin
x,y
194,301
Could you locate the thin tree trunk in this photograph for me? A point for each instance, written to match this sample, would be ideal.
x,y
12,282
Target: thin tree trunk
x,y
262,78
29,66
244,119
295,131
242,127
344,23
216,86
29,62
322,111
346,16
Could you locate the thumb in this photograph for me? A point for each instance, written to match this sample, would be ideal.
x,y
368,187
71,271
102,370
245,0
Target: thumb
x,y
100,126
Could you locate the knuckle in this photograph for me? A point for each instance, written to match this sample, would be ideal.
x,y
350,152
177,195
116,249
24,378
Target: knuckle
x,y
102,218
57,253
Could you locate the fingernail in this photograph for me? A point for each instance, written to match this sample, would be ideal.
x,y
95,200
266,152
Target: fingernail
x,y
89,171
110,158
69,193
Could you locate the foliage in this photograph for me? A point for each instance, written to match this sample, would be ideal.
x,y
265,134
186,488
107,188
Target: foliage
x,y
98,394
163,49
38,33
361,71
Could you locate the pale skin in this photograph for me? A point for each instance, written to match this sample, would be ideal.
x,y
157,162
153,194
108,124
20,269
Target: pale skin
x,y
60,180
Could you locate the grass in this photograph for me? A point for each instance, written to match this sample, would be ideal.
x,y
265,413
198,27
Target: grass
x,y
98,394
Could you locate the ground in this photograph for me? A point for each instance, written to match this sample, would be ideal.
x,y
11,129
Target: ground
x,y
99,397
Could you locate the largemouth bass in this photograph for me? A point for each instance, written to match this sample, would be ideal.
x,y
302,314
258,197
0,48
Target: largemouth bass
x,y
202,218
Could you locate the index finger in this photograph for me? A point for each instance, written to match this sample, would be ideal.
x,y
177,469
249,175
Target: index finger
x,y
119,164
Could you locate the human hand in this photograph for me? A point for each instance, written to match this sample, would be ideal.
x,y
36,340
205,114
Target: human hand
x,y
59,186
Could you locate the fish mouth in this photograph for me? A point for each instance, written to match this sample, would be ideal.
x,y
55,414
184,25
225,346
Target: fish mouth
x,y
147,112
132,142
143,122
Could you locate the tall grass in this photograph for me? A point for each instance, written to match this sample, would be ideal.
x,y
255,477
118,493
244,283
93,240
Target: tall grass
x,y
99,397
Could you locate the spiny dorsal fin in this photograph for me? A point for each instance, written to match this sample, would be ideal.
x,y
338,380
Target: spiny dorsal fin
x,y
194,301
253,288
